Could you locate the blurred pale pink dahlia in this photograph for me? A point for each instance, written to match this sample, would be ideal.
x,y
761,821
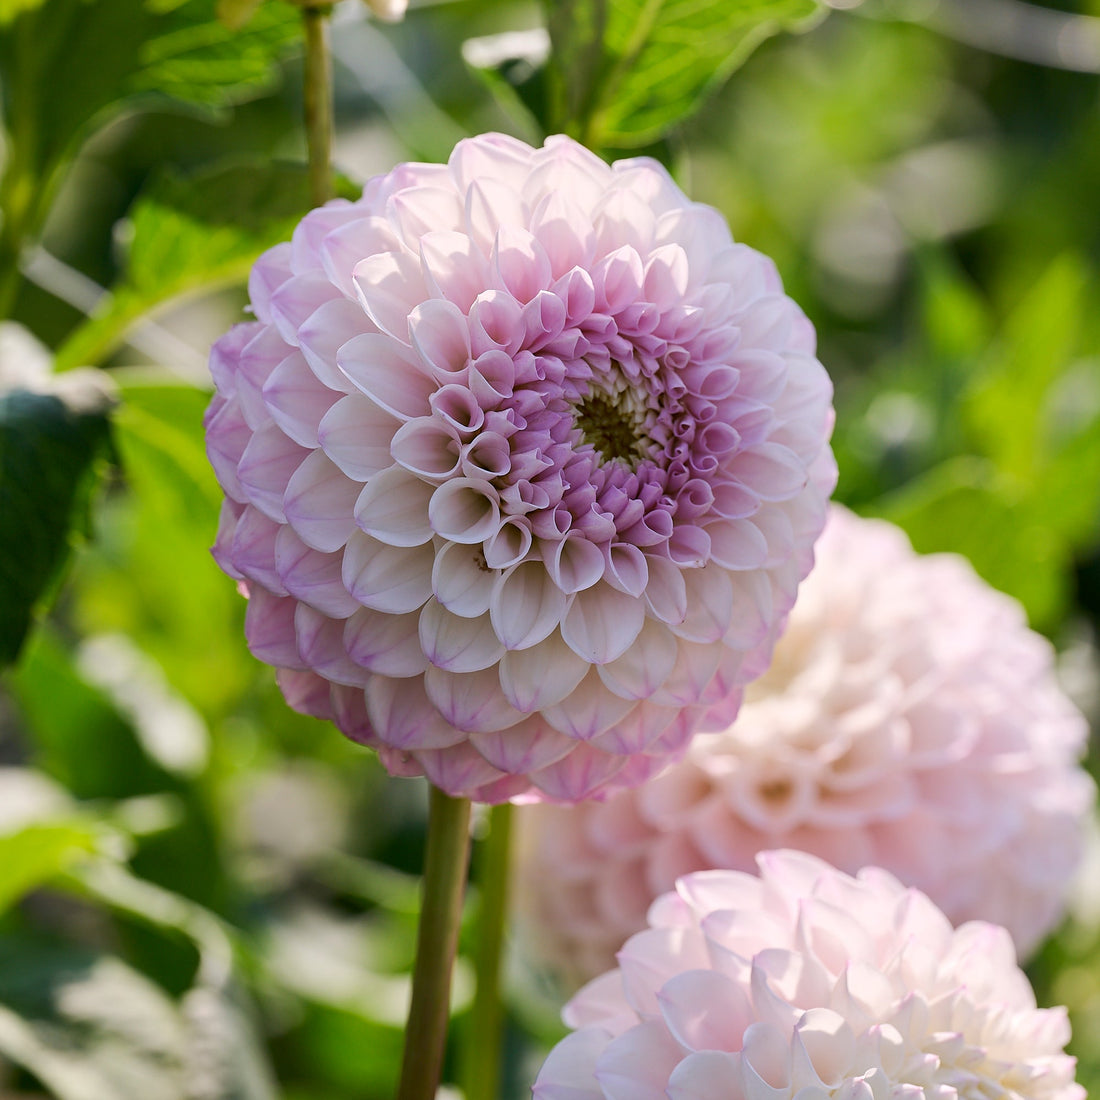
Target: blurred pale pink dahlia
x,y
909,720
808,983
524,459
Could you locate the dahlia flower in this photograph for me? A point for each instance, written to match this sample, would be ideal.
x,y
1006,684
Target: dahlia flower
x,y
806,982
909,720
524,459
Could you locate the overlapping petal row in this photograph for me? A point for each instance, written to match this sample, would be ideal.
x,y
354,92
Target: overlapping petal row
x,y
909,720
524,459
805,982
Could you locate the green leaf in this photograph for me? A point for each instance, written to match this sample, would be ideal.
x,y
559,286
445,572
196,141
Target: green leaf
x,y
190,234
65,63
49,446
1005,409
628,70
966,507
34,855
88,1026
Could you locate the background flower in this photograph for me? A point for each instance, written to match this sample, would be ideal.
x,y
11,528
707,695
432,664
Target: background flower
x,y
524,459
910,720
808,982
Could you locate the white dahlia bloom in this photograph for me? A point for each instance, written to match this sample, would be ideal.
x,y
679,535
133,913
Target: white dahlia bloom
x,y
909,721
524,460
808,983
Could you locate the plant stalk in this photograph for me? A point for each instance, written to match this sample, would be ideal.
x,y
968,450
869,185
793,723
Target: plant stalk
x,y
481,1068
318,100
445,863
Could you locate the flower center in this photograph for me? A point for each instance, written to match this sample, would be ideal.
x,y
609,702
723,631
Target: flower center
x,y
613,425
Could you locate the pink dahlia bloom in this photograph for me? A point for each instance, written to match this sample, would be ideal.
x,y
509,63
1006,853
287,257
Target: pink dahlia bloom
x,y
808,983
524,458
909,720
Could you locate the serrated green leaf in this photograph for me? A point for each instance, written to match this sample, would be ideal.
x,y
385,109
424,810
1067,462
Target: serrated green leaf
x,y
628,70
35,854
49,446
189,234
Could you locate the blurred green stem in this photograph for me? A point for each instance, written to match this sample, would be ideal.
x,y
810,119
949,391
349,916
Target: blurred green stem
x,y
318,100
483,1040
445,862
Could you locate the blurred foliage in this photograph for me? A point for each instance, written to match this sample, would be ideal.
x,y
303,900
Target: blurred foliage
x,y
204,892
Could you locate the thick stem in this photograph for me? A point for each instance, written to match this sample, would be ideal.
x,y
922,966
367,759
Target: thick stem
x,y
318,101
483,1040
445,863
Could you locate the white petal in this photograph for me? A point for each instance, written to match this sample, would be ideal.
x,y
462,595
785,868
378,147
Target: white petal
x,y
490,205
464,510
388,578
471,700
297,400
343,248
509,544
705,1010
269,629
390,285
461,581
455,643
427,446
737,544
252,549
574,563
569,1070
641,670
581,774
588,710
389,374
441,336
403,715
627,569
695,668
710,604
523,748
637,1065
526,605
393,507
296,299
454,268
752,613
269,272
383,643
541,675
602,623
319,501
356,434
772,471
312,576
666,592
705,1075
325,332
321,644
640,731
268,463
419,210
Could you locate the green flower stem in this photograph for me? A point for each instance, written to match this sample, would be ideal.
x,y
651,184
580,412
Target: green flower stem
x,y
481,1065
445,864
318,100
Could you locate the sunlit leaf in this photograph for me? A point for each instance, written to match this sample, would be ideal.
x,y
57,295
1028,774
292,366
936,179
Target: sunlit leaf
x,y
32,856
193,233
627,70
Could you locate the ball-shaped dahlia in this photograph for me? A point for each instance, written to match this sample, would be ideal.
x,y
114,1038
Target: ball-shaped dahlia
x,y
909,720
808,983
524,459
